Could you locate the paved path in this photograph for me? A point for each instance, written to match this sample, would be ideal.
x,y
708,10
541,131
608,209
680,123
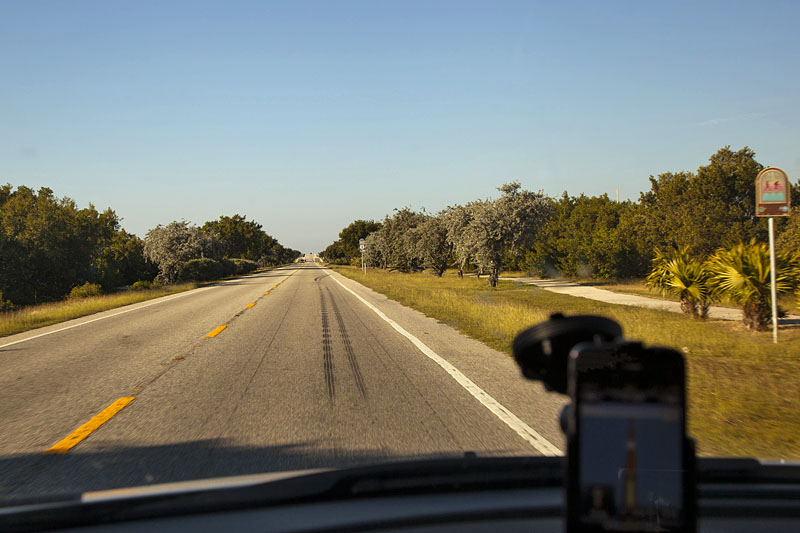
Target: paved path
x,y
602,295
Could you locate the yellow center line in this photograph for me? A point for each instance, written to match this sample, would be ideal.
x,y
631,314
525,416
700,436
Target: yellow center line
x,y
266,293
216,331
248,306
85,430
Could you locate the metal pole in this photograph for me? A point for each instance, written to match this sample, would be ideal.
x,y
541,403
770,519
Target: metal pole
x,y
772,278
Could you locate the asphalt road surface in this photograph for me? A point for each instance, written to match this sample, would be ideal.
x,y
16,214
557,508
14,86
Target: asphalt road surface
x,y
320,372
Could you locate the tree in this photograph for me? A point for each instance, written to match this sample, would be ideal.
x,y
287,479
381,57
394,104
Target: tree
x,y
712,208
723,200
49,245
429,240
587,236
789,237
334,253
400,251
508,223
344,249
664,219
172,245
122,262
350,236
742,274
456,220
376,249
240,238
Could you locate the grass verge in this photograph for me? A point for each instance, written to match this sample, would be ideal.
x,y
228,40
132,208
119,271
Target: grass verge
x,y
37,316
742,389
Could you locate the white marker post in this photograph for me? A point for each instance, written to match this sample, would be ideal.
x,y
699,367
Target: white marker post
x,y
361,249
773,198
774,288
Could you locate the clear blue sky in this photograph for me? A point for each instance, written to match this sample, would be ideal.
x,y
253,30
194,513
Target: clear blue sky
x,y
307,115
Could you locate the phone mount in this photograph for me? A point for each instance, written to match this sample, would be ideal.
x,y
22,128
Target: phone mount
x,y
542,353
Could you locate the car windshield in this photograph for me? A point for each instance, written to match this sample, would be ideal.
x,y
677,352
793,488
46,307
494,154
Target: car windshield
x,y
247,237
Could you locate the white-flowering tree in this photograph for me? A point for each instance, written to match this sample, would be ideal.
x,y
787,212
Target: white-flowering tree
x,y
401,254
505,224
172,245
376,250
456,220
429,243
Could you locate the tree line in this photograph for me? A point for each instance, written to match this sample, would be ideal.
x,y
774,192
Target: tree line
x,y
49,246
697,213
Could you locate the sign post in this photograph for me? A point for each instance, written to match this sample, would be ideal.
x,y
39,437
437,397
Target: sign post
x,y
773,198
361,249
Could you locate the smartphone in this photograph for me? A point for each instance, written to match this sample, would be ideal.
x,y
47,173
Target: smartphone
x,y
628,461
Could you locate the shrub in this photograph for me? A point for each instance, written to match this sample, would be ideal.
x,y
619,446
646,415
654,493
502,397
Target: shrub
x,y
203,269
141,285
677,273
742,273
228,267
355,260
85,291
243,266
5,305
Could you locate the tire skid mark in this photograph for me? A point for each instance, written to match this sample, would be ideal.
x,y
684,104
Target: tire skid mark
x,y
327,352
348,348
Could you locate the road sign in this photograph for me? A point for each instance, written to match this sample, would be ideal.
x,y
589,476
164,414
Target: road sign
x,y
773,193
361,245
773,199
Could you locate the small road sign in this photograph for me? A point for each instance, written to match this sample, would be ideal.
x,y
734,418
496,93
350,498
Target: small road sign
x,y
773,193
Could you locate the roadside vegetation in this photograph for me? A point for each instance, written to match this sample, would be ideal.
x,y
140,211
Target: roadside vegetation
x,y
742,389
36,316
53,251
694,236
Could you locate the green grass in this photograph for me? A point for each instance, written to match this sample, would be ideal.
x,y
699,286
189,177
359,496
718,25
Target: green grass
x,y
37,316
742,390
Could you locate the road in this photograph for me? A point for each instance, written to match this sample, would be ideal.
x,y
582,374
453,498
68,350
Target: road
x,y
319,372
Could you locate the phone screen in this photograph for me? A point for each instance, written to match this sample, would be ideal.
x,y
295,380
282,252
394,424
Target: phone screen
x,y
630,452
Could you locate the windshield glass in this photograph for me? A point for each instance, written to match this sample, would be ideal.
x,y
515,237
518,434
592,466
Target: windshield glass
x,y
248,237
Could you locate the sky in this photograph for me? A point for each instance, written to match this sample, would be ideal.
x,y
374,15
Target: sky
x,y
305,116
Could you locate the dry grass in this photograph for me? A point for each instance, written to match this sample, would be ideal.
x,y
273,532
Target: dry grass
x,y
37,316
743,391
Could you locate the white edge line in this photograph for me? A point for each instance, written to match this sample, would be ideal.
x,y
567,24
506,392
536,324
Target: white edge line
x,y
160,300
510,419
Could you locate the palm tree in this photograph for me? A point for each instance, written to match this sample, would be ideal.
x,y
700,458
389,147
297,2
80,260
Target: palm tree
x,y
676,273
742,274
